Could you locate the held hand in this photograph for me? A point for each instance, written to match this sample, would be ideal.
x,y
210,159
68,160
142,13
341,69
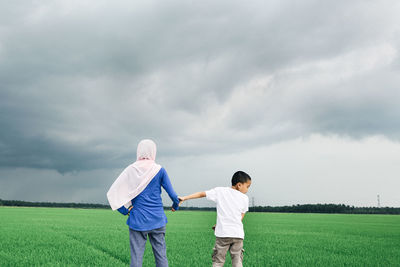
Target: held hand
x,y
181,199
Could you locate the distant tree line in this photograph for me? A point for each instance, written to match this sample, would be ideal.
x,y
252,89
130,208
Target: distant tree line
x,y
327,208
306,208
19,203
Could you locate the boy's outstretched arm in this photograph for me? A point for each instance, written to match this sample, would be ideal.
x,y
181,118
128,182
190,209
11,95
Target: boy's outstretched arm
x,y
192,196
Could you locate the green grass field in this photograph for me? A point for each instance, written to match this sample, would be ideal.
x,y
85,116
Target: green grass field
x,y
90,237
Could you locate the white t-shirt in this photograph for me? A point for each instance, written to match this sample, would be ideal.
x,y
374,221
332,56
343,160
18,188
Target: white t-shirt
x,y
231,203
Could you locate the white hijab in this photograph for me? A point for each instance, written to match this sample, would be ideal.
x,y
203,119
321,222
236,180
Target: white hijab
x,y
134,179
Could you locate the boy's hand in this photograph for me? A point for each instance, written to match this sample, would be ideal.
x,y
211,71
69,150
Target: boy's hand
x,y
181,199
213,227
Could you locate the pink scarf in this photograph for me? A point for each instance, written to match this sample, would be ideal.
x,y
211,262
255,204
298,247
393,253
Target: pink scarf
x,y
134,179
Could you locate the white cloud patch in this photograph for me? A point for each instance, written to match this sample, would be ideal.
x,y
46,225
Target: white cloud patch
x,y
314,169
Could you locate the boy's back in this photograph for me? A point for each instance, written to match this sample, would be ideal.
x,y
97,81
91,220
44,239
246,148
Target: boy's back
x,y
231,204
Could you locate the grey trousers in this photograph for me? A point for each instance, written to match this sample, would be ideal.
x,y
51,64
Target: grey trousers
x,y
222,245
138,244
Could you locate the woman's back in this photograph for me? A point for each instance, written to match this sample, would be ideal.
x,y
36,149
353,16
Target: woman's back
x,y
148,212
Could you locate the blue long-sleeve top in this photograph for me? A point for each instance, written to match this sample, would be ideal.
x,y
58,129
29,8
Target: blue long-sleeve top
x,y
148,212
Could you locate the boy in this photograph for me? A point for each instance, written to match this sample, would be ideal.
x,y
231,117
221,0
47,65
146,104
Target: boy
x,y
232,204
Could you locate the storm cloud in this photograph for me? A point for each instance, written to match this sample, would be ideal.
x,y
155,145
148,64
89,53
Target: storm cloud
x,y
81,82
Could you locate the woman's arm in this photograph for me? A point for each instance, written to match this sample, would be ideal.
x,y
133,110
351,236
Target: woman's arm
x,y
166,184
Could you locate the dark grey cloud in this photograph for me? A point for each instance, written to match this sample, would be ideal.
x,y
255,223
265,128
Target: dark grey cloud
x,y
49,185
81,83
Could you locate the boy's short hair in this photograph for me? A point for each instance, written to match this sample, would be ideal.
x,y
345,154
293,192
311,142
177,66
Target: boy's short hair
x,y
240,177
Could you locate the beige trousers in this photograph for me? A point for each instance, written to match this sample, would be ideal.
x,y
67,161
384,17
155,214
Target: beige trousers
x,y
222,245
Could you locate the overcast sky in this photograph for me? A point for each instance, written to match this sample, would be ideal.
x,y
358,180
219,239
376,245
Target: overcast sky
x,y
302,95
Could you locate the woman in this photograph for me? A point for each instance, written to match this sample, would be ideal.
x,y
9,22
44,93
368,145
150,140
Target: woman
x,y
137,192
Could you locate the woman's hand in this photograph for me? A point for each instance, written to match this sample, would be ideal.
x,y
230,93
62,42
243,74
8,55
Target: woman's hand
x,y
129,210
181,199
